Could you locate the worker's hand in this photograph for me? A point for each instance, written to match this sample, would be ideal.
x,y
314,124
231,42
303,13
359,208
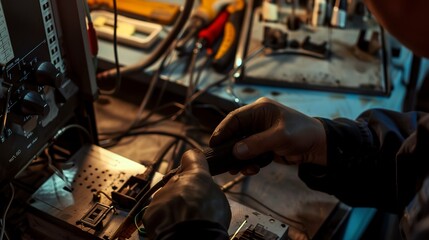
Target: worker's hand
x,y
270,126
191,195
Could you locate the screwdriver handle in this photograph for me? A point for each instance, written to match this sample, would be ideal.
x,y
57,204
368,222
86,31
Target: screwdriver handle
x,y
221,159
225,54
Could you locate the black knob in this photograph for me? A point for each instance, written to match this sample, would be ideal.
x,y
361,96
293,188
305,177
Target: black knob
x,y
48,74
32,103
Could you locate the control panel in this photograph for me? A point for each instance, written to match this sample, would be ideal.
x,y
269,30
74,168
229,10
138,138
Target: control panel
x,y
39,91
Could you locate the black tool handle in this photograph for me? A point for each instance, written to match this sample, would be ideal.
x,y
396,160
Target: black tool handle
x,y
221,159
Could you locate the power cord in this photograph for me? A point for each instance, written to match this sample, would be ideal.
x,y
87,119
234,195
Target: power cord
x,y
3,221
115,52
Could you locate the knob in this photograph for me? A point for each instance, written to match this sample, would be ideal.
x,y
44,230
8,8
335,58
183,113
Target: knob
x,y
48,74
32,103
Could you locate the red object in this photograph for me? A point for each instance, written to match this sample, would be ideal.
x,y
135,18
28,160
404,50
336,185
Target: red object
x,y
214,30
92,36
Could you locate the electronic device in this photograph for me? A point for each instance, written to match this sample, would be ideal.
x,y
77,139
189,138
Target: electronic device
x,y
47,77
87,212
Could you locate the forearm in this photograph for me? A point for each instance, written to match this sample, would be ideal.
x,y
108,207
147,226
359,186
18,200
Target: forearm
x,y
362,163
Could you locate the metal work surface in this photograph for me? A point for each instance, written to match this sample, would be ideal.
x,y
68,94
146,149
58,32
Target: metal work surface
x,y
276,186
76,214
93,170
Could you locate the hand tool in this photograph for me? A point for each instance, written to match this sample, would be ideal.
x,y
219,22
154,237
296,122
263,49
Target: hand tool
x,y
225,54
221,159
201,17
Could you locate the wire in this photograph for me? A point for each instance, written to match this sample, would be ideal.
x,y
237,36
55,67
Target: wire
x,y
105,194
184,138
3,229
143,104
230,74
109,142
140,229
68,127
56,170
162,152
118,81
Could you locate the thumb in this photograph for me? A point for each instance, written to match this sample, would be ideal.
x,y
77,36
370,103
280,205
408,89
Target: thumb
x,y
254,145
193,159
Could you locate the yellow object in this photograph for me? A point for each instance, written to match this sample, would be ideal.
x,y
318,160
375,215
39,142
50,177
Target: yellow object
x,y
160,12
124,29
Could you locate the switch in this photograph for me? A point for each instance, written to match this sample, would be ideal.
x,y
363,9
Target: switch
x,y
32,103
47,74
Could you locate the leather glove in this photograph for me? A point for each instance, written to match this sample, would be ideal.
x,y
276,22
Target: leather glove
x,y
269,126
189,196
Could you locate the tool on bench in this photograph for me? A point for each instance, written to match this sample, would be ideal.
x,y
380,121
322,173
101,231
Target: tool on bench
x,y
224,57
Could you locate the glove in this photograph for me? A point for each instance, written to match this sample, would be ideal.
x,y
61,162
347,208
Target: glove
x,y
270,126
191,196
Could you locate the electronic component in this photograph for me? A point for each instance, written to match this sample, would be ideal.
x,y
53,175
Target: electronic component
x,y
248,224
98,171
39,85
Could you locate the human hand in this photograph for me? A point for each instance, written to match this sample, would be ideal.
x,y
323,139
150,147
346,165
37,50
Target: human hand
x,y
269,126
190,195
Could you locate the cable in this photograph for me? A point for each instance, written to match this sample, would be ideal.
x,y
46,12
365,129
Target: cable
x,y
109,142
66,128
162,152
145,100
184,138
3,229
161,49
115,51
57,171
140,229
218,82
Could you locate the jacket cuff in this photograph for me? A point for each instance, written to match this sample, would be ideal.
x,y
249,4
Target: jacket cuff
x,y
346,140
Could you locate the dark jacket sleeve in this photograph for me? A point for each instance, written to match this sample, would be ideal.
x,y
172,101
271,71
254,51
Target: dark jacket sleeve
x,y
371,161
195,229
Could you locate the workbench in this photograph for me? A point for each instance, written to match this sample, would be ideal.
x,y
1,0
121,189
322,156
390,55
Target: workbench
x,y
315,214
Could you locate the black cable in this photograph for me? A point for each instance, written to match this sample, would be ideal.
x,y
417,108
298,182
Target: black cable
x,y
162,152
182,137
204,65
145,99
114,140
174,156
118,81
